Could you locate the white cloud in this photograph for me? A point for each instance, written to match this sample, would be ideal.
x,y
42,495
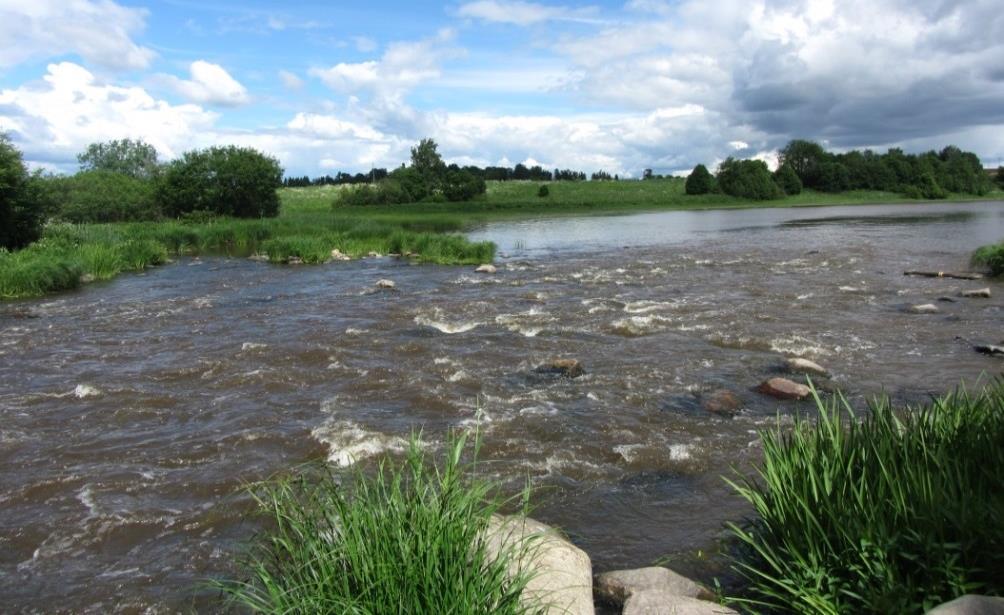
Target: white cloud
x,y
290,80
520,13
364,44
210,84
100,32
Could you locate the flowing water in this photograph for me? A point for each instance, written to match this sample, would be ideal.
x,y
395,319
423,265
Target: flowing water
x,y
132,412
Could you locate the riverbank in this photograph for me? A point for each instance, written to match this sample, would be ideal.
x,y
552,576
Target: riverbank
x,y
312,228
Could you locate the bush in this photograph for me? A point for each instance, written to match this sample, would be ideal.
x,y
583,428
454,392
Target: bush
x,y
991,257
229,181
543,191
788,180
133,158
410,539
105,196
460,185
891,514
748,179
926,187
699,181
22,199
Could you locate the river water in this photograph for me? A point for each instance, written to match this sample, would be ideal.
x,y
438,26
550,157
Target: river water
x,y
132,412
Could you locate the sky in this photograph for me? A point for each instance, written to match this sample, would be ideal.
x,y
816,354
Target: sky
x,y
614,86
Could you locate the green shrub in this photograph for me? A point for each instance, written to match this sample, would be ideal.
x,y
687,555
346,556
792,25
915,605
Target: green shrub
x,y
786,177
409,539
543,191
460,185
748,179
105,196
228,181
22,199
991,257
135,159
699,181
890,514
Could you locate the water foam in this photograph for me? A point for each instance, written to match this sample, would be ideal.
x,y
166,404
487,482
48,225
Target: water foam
x,y
349,442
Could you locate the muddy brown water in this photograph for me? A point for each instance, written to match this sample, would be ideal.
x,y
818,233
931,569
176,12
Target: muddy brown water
x,y
132,412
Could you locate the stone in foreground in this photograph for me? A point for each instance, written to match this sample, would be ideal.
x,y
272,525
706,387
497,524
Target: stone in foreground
x,y
486,269
569,368
926,308
782,388
970,604
805,366
660,602
979,293
617,586
385,284
563,574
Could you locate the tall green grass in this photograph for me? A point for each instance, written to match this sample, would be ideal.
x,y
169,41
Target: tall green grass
x,y
893,513
991,257
410,538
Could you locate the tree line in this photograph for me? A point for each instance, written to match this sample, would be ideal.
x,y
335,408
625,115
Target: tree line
x,y
520,172
806,164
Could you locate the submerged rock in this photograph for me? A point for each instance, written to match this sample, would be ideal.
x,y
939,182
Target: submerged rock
x,y
979,293
782,388
486,269
805,366
617,586
385,284
562,573
665,603
569,368
722,401
971,604
926,308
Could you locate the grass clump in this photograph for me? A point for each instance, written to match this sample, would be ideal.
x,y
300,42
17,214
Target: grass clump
x,y
410,538
894,513
991,257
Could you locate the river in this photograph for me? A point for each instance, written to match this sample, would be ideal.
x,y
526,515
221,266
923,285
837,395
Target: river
x,y
133,411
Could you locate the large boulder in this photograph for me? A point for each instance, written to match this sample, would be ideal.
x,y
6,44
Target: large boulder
x,y
970,604
617,586
569,368
562,573
782,388
660,602
805,366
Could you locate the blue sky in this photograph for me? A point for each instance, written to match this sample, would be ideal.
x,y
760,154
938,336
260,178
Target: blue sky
x,y
619,86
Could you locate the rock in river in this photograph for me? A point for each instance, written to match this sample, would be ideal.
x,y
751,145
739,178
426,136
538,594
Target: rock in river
x,y
926,308
486,269
805,366
979,293
338,255
569,368
782,388
617,586
722,401
385,284
665,603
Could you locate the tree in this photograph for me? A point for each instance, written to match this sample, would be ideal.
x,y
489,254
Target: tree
x,y
427,161
105,196
787,179
699,181
803,156
999,177
21,199
748,179
133,158
229,181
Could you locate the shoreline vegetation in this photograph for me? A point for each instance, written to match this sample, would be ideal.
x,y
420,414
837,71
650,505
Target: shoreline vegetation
x,y
311,223
893,510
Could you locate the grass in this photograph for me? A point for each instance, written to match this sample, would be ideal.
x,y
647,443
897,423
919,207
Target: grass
x,y
894,513
991,257
409,539
309,228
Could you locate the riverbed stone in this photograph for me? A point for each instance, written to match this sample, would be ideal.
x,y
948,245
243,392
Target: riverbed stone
x,y
486,268
619,585
338,255
990,349
373,255
970,604
569,368
661,602
805,366
86,278
925,308
978,293
782,388
562,573
385,284
294,260
723,402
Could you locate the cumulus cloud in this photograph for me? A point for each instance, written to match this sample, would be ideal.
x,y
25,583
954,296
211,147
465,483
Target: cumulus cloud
x,y
98,31
520,13
210,84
